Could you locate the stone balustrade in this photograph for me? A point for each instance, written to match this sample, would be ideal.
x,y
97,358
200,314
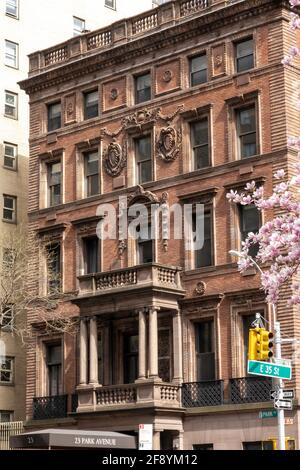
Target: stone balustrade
x,y
141,393
145,275
122,31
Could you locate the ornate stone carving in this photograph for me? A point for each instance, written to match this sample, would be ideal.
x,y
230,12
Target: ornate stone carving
x,y
141,117
200,288
115,158
70,108
122,247
169,144
114,94
141,193
167,76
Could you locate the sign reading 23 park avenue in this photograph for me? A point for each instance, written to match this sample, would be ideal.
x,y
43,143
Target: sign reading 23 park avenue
x,y
268,369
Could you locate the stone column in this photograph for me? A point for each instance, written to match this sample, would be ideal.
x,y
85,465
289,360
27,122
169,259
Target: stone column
x,y
93,351
83,352
142,344
177,347
153,343
156,440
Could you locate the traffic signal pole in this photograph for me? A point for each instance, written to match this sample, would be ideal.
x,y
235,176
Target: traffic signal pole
x,y
279,383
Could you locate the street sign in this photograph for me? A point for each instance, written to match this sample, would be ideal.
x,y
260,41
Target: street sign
x,y
268,369
282,394
145,436
283,404
268,414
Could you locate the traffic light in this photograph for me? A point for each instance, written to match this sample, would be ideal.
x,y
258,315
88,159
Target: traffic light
x,y
264,344
252,346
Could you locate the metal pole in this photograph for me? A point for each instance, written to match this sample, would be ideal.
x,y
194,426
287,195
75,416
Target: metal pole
x,y
281,424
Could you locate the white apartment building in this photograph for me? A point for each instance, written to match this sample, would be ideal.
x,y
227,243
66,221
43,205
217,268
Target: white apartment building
x,y
27,26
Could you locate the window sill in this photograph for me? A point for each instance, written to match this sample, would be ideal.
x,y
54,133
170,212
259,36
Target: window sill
x,y
12,222
11,117
206,269
15,170
4,384
12,67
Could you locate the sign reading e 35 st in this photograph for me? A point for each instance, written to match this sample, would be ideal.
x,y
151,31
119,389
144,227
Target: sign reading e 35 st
x,y
267,369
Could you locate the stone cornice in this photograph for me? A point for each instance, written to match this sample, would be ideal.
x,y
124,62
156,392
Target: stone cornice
x,y
205,21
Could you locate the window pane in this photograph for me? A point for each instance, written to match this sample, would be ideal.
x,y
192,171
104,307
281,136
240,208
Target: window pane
x,y
78,25
91,107
54,116
200,132
198,70
205,351
143,88
244,55
248,145
146,252
91,255
247,120
12,7
145,172
204,256
11,53
8,202
143,149
250,219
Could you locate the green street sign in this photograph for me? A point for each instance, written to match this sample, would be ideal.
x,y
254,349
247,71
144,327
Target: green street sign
x,y
268,369
268,414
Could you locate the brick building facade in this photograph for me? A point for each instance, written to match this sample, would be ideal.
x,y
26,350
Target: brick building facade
x,y
178,105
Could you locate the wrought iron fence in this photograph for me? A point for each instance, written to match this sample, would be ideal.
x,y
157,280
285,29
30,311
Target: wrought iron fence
x,y
9,429
249,390
50,407
199,394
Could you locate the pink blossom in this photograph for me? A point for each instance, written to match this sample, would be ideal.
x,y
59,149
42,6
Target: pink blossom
x,y
279,174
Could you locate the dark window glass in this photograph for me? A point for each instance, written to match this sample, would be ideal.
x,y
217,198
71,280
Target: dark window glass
x,y
203,447
205,351
54,368
6,369
145,249
144,159
11,105
131,352
54,183
53,254
54,116
200,144
92,173
204,257
259,445
143,88
91,104
9,208
244,55
250,221
91,255
246,123
198,70
164,354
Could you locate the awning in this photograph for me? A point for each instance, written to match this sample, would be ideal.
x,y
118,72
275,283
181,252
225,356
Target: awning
x,y
74,439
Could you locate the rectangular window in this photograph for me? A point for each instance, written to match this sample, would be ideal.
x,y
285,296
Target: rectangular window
x,y
91,255
78,26
10,156
91,104
204,256
258,445
6,370
143,152
54,184
205,351
143,88
200,144
6,318
11,105
12,7
246,130
6,416
131,354
11,54
203,447
110,4
9,208
244,55
164,354
54,116
53,254
54,369
249,221
92,173
145,249
198,70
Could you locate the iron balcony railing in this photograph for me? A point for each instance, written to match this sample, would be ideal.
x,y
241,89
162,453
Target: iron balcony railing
x,y
249,390
200,394
50,407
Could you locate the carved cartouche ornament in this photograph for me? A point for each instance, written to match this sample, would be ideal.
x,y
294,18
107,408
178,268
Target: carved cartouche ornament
x,y
168,144
114,159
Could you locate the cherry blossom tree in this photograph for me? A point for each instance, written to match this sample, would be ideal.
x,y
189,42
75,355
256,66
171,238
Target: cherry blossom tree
x,y
278,240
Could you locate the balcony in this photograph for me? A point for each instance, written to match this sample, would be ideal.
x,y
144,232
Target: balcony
x,y
199,394
144,276
50,407
145,393
240,391
250,390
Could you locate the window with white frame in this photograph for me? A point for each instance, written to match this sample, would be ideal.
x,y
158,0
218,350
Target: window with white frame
x,y
54,183
143,155
200,144
6,370
110,4
91,173
12,8
78,26
10,156
11,54
11,105
9,208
